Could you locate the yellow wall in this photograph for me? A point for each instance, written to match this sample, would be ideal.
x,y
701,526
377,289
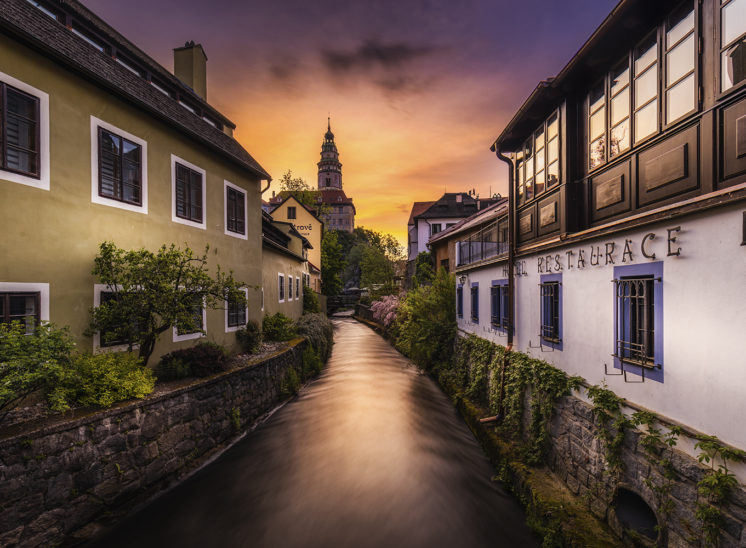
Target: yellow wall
x,y
52,236
306,224
276,263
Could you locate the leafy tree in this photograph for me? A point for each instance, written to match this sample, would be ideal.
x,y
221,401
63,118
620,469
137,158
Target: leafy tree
x,y
426,322
154,292
302,191
332,263
356,242
376,268
32,362
423,269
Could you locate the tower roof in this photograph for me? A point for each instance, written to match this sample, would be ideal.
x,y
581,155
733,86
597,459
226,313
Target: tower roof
x,y
329,136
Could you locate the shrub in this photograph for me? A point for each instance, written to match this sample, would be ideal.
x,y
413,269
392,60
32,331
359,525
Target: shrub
x,y
172,368
384,311
278,327
250,337
105,379
312,363
310,301
290,383
202,360
319,331
33,362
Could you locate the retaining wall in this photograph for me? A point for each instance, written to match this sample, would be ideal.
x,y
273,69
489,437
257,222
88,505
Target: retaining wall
x,y
57,479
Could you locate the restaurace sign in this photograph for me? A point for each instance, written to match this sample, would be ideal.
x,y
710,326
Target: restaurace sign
x,y
608,254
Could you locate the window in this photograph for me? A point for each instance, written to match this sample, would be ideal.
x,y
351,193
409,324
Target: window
x,y
680,94
281,280
475,302
198,324
106,339
538,163
20,306
119,168
435,228
235,314
297,288
499,304
103,340
645,88
732,43
638,322
20,121
290,288
235,211
291,212
188,187
444,263
460,301
551,310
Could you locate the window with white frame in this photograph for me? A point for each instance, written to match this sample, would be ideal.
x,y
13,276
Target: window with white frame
x,y
297,288
197,326
24,302
290,288
24,139
236,313
188,190
107,341
281,286
235,210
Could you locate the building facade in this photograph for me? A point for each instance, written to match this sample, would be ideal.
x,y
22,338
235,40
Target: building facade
x,y
103,144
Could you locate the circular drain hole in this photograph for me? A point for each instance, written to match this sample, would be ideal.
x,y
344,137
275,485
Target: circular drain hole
x,y
635,514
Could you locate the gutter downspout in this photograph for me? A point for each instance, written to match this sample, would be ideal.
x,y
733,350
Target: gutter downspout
x,y
266,188
511,245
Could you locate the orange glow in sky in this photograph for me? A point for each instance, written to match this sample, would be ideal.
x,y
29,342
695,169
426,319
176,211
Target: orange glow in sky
x,y
417,90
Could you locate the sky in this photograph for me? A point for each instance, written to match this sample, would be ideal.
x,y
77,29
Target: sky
x,y
417,90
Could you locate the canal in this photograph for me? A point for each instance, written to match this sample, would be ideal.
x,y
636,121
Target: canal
x,y
372,453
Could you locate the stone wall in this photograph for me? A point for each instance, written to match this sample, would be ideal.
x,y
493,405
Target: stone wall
x,y
576,455
57,479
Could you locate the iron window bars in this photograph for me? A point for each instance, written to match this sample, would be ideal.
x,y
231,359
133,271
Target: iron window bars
x,y
499,306
475,304
635,322
550,320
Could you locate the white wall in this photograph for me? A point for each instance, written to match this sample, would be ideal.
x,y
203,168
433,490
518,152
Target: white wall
x,y
704,319
423,231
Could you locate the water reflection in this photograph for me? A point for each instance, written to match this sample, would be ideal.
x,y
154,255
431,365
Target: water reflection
x,y
371,454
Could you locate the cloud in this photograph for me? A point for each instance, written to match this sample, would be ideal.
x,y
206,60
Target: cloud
x,y
373,53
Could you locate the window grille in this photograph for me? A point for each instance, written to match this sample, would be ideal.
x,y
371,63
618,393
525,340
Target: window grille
x,y
635,325
460,302
550,311
475,304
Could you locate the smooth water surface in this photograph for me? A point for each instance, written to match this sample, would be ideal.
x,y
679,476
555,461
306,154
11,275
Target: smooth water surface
x,y
370,454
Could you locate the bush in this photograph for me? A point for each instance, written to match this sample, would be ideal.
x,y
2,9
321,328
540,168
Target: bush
x,y
384,311
250,337
290,383
319,331
29,363
310,301
312,363
202,360
278,327
104,379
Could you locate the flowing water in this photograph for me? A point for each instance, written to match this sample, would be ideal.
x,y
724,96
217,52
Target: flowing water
x,y
372,453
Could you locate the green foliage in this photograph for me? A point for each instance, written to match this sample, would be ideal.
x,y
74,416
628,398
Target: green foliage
x,y
423,269
104,379
302,191
355,243
31,362
201,360
249,337
235,417
426,323
312,363
376,268
310,301
154,292
290,383
319,331
332,263
716,487
278,327
612,423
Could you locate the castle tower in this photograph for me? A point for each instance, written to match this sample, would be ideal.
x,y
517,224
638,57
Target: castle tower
x,y
330,170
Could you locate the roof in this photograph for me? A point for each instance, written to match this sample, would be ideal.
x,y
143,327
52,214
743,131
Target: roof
x,y
494,211
283,197
326,196
26,23
454,205
627,23
417,209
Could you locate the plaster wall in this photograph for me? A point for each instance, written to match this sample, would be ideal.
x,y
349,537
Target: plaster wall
x,y
703,379
306,224
274,264
423,231
52,236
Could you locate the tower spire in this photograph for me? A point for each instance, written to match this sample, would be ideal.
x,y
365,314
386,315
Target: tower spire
x,y
330,170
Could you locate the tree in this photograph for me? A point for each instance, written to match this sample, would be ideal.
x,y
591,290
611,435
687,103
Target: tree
x,y
376,268
302,191
332,263
423,269
154,292
356,242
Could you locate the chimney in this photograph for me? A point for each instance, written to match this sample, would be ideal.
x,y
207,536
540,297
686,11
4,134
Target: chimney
x,y
190,66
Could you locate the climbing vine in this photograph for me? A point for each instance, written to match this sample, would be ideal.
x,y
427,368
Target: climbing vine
x,y
715,487
612,423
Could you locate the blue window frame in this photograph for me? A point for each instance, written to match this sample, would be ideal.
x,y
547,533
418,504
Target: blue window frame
x,y
550,330
499,304
460,301
475,302
638,319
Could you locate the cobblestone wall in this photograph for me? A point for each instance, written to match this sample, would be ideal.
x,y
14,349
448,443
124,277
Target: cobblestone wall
x,y
55,480
577,456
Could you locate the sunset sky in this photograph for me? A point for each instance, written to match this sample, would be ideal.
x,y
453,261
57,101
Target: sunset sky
x,y
417,89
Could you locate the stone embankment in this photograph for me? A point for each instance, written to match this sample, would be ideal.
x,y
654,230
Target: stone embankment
x,y
57,479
